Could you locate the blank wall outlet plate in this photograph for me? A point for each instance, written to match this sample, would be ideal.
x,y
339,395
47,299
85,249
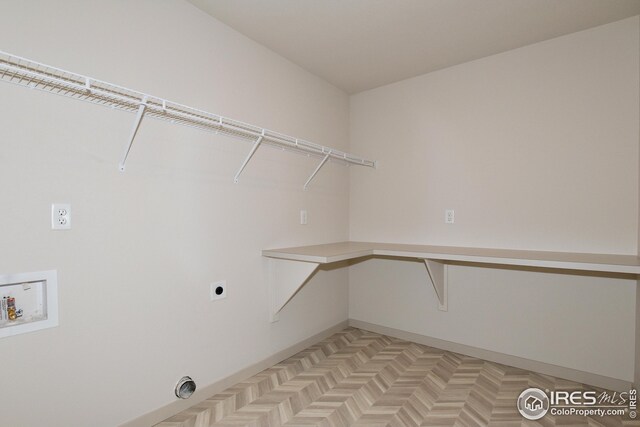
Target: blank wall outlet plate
x,y
303,217
218,290
60,216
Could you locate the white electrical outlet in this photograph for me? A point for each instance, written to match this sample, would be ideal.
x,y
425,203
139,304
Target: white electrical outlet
x,y
218,290
60,216
303,217
449,216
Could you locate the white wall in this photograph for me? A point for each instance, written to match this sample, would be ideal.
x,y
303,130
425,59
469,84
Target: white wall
x,y
134,271
536,148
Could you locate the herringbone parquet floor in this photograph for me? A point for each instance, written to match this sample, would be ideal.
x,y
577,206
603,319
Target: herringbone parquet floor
x,y
359,378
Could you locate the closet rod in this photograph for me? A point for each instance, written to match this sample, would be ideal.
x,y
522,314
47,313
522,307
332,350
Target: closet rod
x,y
25,72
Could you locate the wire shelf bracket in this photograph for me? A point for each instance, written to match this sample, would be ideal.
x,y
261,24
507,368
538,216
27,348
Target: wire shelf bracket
x,y
324,160
249,156
35,75
134,131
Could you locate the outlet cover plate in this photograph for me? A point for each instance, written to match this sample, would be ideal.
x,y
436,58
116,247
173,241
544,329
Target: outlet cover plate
x,y
60,216
449,216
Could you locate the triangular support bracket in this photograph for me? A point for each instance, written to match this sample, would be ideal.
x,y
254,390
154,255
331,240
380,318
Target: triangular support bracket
x,y
284,279
439,277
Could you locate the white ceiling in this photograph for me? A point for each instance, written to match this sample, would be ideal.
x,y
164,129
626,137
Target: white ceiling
x,y
361,44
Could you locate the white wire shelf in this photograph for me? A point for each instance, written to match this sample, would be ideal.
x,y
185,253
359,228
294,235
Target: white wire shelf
x,y
28,73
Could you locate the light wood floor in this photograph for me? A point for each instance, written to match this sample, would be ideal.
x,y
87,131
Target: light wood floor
x,y
359,378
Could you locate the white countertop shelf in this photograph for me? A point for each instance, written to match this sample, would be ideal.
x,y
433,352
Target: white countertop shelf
x,y
341,251
290,268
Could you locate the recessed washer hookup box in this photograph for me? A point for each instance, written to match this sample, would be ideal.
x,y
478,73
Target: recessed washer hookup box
x,y
28,302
